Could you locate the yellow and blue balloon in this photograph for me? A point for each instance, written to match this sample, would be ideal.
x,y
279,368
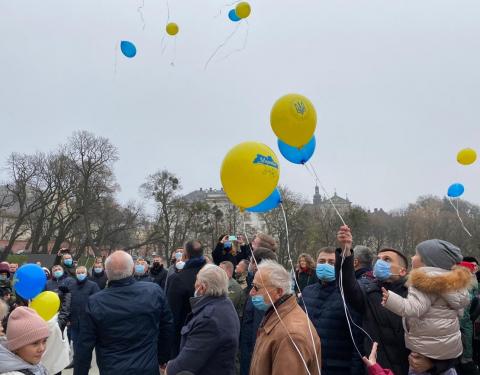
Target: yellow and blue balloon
x,y
29,281
46,305
249,173
268,204
297,155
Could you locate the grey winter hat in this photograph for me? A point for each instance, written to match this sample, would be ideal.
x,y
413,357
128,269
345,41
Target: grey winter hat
x,y
439,253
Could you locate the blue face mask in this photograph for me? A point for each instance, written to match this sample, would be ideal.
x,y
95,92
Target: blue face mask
x,y
68,262
227,245
382,270
98,270
325,272
81,277
259,303
139,269
58,274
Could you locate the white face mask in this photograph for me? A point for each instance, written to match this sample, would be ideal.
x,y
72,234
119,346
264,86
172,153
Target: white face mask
x,y
180,265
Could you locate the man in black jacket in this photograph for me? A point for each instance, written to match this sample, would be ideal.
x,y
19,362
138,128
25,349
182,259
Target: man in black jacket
x,y
365,296
129,324
181,287
158,272
98,274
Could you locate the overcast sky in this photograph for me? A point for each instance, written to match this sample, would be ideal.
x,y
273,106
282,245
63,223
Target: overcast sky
x,y
395,84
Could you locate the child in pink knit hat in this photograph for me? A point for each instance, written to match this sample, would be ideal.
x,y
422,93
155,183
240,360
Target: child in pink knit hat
x,y
27,335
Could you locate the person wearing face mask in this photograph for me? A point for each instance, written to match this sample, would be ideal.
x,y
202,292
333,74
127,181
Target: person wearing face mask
x,y
81,290
158,272
365,296
65,259
176,264
283,323
210,335
141,271
181,287
326,311
98,275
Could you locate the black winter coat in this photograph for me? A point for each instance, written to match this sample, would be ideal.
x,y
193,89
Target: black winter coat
x,y
61,286
220,254
130,326
386,328
305,279
99,278
209,339
159,275
80,291
325,309
145,277
180,288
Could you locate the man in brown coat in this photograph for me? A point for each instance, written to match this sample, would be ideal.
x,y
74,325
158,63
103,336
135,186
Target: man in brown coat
x,y
285,344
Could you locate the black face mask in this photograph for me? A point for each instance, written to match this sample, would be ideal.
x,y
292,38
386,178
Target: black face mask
x,y
156,265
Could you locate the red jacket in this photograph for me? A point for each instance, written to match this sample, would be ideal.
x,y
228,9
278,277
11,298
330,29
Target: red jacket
x,y
377,370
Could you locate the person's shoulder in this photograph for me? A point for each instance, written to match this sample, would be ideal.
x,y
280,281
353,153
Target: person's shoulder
x,y
311,290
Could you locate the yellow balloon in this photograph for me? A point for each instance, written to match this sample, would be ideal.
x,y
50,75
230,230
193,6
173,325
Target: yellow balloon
x,y
243,10
46,304
466,156
293,119
249,174
172,29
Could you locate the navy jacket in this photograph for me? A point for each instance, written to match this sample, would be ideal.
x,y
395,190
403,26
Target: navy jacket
x,y
159,275
326,311
80,292
130,326
180,288
145,277
251,320
54,284
386,328
99,278
209,339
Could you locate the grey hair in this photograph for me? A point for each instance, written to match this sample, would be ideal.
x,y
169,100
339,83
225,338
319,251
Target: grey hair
x,y
278,275
215,279
81,268
119,266
364,256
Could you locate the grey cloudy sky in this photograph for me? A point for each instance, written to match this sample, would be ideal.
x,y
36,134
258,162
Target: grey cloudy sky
x,y
395,83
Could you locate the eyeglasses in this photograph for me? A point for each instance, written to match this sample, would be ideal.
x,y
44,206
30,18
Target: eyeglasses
x,y
258,287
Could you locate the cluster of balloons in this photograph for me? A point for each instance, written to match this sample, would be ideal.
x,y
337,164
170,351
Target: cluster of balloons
x,y
29,281
466,156
241,11
293,119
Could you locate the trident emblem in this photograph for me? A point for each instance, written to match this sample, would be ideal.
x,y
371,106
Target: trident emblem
x,y
300,108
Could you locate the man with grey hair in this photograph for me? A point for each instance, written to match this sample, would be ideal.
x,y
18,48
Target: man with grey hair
x,y
363,259
284,344
129,324
235,291
209,340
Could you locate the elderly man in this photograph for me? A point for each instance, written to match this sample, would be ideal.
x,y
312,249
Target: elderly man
x,y
241,273
363,259
235,291
365,296
129,324
284,345
210,336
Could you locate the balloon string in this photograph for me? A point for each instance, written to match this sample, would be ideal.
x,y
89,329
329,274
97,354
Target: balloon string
x,y
140,13
238,50
163,45
270,298
220,47
298,287
168,11
459,217
325,191
172,63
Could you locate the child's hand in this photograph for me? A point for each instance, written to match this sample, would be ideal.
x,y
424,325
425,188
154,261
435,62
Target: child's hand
x,y
372,359
385,296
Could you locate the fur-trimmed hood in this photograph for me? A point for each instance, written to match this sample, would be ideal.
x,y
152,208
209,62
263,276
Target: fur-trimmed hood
x,y
434,280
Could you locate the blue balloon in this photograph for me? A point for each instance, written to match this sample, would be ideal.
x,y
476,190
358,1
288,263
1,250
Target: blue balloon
x,y
297,155
455,190
268,204
29,281
128,48
233,16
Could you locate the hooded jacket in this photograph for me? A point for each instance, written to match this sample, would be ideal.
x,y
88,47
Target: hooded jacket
x,y
431,311
11,364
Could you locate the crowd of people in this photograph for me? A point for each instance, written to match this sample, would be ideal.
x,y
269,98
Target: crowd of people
x,y
347,312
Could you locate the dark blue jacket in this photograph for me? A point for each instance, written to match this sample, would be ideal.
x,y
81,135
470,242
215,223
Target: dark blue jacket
x,y
180,288
326,311
80,291
130,326
54,284
209,339
251,320
99,278
145,277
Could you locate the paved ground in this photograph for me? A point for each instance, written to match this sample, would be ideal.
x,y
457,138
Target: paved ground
x,y
93,369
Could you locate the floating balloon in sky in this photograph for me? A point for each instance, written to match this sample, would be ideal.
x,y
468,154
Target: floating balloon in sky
x,y
455,190
128,49
172,29
243,10
233,16
297,155
268,204
466,156
293,119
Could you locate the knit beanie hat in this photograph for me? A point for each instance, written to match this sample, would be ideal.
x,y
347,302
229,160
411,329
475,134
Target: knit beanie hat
x,y
25,327
439,253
